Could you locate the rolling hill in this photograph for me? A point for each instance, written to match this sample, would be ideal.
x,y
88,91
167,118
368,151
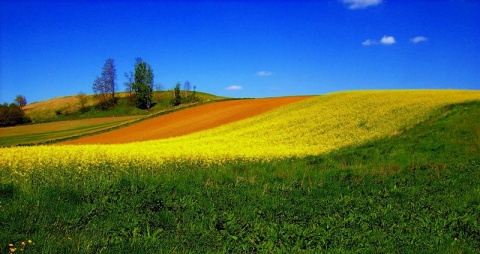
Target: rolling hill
x,y
188,120
68,107
360,171
309,127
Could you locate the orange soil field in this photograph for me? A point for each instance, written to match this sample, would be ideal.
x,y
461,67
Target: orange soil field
x,y
188,120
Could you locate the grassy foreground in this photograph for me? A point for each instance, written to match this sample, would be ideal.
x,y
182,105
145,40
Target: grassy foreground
x,y
417,191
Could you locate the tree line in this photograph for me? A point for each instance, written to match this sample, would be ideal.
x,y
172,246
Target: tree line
x,y
139,85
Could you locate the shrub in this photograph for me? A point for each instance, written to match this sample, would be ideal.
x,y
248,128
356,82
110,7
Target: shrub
x,y
12,115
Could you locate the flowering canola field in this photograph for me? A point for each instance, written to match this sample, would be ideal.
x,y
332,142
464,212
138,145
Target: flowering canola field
x,y
309,127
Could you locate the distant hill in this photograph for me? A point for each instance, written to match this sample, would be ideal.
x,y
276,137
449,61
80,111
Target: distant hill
x,y
68,107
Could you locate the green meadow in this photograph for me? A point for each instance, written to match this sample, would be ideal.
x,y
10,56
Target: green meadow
x,y
413,192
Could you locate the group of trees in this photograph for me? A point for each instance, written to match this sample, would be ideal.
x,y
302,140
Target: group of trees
x,y
13,114
139,85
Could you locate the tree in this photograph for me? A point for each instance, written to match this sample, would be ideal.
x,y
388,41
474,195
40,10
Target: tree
x,y
12,114
104,86
176,95
186,88
21,101
4,115
143,85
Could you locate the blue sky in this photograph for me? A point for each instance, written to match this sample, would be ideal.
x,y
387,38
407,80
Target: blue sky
x,y
241,48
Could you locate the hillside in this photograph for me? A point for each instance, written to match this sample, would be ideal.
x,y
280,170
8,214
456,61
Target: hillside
x,y
173,121
67,108
309,127
189,120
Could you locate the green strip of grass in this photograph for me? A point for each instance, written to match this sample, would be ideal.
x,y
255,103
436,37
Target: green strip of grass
x,y
417,192
55,135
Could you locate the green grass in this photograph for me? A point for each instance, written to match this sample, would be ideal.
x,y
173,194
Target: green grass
x,y
416,192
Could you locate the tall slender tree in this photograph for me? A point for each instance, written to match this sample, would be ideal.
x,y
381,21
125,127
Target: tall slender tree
x,y
143,85
176,95
104,86
186,88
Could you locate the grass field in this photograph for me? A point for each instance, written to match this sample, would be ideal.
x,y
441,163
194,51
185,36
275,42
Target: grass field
x,y
45,110
404,181
46,132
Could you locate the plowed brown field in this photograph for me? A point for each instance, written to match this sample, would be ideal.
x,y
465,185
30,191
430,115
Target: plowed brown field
x,y
189,120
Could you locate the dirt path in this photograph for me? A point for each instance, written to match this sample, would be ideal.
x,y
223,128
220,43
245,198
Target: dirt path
x,y
188,120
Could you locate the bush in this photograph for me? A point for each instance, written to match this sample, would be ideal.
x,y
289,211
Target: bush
x,y
84,109
26,119
191,98
12,115
106,104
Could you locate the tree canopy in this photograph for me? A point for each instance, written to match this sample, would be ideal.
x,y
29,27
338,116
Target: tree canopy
x,y
143,84
176,95
12,115
104,86
20,101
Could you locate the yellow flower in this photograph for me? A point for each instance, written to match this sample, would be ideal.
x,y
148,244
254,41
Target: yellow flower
x,y
310,127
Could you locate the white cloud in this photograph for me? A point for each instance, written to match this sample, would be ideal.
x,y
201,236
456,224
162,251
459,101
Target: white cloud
x,y
360,4
418,39
264,73
387,40
368,42
234,87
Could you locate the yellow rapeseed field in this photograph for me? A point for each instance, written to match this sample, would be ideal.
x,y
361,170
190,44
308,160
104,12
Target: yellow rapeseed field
x,y
309,127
